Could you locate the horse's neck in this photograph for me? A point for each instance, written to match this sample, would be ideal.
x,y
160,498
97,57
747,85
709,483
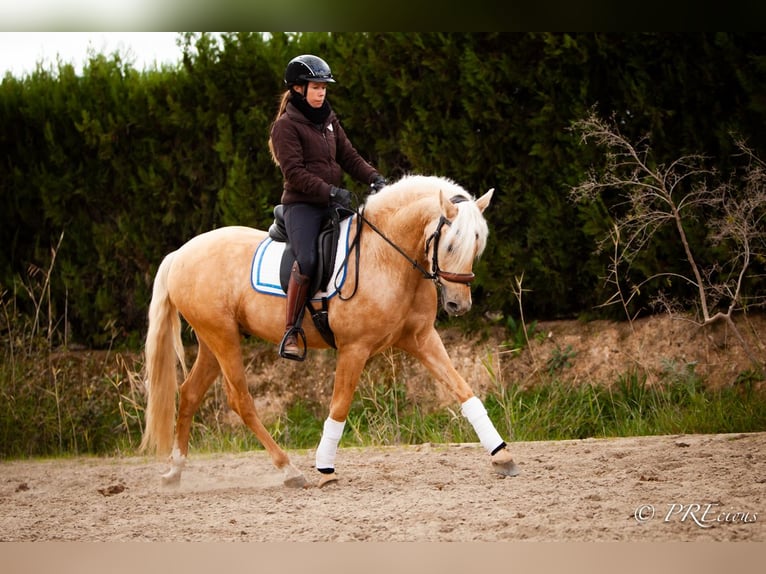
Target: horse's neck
x,y
404,230
405,226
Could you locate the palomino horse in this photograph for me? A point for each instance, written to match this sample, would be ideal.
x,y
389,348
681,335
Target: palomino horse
x,y
417,224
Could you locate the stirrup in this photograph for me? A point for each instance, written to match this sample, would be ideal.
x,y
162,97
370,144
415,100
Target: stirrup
x,y
298,332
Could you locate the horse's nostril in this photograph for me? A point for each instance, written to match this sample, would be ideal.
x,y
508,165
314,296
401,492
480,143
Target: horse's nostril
x,y
452,307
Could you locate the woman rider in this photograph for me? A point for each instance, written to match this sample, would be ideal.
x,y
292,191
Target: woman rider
x,y
311,148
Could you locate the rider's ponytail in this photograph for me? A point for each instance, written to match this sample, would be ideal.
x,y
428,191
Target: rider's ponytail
x,y
282,105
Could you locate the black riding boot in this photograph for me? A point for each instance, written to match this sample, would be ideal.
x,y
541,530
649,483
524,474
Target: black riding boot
x,y
297,293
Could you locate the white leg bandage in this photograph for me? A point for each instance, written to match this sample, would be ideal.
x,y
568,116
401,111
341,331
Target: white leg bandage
x,y
328,445
474,411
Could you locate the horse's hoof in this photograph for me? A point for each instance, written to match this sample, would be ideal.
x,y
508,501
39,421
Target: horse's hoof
x,y
177,463
326,479
295,482
171,478
503,464
294,478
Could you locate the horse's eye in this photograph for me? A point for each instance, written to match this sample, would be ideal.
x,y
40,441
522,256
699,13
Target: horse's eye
x,y
450,248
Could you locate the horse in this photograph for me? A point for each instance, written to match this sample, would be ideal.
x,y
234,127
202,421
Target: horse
x,y
424,234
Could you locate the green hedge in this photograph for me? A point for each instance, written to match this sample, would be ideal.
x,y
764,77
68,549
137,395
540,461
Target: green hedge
x,y
124,166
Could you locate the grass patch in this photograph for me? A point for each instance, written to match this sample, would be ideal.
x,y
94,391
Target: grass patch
x,y
47,407
630,407
59,404
48,414
556,410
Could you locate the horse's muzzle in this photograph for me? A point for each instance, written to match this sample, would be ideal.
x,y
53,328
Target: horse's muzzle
x,y
456,307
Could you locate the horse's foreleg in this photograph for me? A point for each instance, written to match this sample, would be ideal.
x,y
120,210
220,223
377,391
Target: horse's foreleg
x,y
193,390
429,349
502,461
349,368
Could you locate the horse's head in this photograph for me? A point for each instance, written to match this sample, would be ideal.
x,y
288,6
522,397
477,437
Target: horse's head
x,y
458,239
455,231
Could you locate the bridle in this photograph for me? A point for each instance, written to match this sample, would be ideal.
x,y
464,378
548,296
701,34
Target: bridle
x,y
437,275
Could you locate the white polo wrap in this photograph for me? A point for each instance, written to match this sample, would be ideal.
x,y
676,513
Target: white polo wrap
x,y
474,411
328,445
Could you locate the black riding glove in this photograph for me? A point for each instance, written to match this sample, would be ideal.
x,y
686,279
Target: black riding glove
x,y
340,196
378,183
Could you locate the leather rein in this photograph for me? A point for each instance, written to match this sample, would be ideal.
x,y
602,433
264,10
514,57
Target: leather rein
x,y
437,275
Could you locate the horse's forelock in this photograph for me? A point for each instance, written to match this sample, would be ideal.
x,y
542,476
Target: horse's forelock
x,y
467,235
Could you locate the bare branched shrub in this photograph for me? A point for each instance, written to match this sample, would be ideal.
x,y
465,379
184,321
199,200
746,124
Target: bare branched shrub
x,y
658,195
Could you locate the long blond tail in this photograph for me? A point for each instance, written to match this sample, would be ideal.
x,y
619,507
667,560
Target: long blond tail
x,y
163,348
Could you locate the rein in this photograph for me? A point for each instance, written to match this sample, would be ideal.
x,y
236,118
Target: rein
x,y
436,274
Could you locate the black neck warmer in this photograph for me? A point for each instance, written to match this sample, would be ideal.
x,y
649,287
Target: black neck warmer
x,y
314,115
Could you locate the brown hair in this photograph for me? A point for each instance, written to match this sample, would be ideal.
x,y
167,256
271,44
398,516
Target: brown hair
x,y
281,110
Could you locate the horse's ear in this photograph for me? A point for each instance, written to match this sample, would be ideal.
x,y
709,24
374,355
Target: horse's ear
x,y
483,202
449,209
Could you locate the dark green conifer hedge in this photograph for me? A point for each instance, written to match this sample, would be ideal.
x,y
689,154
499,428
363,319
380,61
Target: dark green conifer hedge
x,y
113,168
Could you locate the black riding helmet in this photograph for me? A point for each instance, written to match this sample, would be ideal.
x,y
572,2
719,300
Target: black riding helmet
x,y
307,68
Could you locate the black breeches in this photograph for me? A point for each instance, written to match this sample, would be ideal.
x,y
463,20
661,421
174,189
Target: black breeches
x,y
303,222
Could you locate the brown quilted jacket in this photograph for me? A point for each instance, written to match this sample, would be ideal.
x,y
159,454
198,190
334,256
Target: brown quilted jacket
x,y
313,158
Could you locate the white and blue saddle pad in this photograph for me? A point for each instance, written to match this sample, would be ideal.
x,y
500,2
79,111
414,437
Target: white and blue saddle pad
x,y
264,275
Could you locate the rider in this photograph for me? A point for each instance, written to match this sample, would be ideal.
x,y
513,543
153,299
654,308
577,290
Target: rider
x,y
311,148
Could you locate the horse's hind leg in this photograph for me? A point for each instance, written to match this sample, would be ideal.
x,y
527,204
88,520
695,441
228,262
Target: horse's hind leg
x,y
193,390
229,356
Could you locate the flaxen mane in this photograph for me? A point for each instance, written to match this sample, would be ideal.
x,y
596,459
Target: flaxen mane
x,y
465,239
